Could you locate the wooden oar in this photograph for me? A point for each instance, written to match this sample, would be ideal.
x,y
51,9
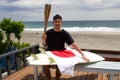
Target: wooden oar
x,y
47,10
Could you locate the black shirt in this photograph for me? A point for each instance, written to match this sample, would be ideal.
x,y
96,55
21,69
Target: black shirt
x,y
57,40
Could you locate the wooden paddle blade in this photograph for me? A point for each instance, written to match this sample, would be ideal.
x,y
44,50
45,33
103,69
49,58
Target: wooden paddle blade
x,y
49,9
46,16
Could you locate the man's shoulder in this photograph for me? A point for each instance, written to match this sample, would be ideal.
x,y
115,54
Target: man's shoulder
x,y
63,30
50,30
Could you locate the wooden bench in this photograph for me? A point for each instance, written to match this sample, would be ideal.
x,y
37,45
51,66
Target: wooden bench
x,y
107,67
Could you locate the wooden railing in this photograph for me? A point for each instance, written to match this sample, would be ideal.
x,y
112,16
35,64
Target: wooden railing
x,y
109,55
15,60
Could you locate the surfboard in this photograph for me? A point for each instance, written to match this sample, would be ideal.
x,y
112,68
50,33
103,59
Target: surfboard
x,y
47,59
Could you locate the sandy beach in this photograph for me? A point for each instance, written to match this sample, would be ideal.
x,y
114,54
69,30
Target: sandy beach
x,y
85,39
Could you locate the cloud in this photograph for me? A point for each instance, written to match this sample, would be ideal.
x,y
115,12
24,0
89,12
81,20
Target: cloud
x,y
80,4
98,4
20,4
28,9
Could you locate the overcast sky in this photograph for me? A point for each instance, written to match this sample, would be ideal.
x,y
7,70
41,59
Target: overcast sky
x,y
33,10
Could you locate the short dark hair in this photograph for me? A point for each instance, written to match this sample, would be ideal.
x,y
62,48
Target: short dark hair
x,y
57,16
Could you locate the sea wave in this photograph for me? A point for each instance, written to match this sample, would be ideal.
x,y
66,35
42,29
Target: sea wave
x,y
80,29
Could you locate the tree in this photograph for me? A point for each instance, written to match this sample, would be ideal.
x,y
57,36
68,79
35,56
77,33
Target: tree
x,y
9,26
18,29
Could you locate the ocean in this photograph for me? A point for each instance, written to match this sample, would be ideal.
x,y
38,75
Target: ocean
x,y
98,25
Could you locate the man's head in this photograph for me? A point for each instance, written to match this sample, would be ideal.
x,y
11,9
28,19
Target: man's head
x,y
57,22
57,16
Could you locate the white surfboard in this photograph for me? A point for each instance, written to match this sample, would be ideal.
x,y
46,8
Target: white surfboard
x,y
45,59
65,59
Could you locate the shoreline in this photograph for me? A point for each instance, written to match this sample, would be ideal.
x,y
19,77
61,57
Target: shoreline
x,y
85,39
83,31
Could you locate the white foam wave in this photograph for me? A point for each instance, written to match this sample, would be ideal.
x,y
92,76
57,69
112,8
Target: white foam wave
x,y
93,29
81,29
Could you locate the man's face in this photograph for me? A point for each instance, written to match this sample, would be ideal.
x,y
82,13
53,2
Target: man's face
x,y
57,23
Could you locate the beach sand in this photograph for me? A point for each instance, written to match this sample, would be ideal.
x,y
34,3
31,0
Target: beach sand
x,y
85,39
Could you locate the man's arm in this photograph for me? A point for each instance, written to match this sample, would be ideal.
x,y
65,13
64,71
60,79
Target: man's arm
x,y
76,47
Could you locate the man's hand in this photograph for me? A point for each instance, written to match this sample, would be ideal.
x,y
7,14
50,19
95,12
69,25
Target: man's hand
x,y
44,37
86,59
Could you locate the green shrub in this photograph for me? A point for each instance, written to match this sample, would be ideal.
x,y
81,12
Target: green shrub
x,y
8,27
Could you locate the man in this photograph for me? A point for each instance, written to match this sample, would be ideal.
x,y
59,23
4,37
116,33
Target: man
x,y
55,39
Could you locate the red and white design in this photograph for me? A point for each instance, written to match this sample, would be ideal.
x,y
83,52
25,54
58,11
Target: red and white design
x,y
64,53
67,59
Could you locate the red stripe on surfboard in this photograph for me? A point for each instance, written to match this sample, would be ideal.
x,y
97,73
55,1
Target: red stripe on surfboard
x,y
64,53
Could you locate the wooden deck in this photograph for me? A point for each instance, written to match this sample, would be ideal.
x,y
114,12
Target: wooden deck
x,y
27,73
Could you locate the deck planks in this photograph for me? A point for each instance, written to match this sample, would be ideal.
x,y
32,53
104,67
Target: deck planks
x,y
27,73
